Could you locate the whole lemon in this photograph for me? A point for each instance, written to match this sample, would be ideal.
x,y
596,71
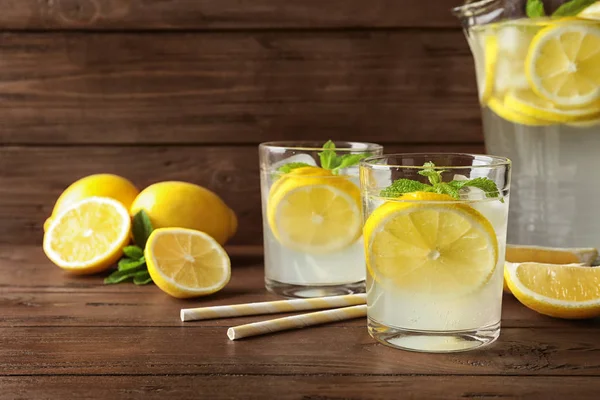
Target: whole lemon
x,y
185,205
98,185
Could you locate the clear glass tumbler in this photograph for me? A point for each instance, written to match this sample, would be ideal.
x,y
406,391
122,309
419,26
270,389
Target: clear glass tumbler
x,y
435,237
312,217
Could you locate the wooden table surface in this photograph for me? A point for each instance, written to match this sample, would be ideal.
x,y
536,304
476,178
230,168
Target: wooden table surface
x,y
67,337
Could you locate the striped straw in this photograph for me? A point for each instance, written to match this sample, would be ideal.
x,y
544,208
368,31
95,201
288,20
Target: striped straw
x,y
296,322
272,307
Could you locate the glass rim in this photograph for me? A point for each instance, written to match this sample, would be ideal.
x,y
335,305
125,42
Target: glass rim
x,y
462,10
496,161
312,145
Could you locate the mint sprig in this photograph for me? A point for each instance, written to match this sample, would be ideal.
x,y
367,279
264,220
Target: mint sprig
x,y
133,264
572,8
535,9
329,160
436,185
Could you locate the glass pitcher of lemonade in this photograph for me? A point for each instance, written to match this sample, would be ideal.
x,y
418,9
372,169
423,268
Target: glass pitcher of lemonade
x,y
538,74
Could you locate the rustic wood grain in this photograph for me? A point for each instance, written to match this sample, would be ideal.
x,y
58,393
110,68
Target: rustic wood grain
x,y
223,14
298,387
241,87
325,350
32,178
34,293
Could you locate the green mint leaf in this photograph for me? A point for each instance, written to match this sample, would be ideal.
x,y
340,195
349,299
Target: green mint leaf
x,y
402,186
119,276
142,228
349,160
535,9
445,188
434,176
128,264
572,8
134,252
487,185
142,278
329,160
287,168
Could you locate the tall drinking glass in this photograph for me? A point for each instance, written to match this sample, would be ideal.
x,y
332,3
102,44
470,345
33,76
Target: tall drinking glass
x,y
312,217
539,89
435,237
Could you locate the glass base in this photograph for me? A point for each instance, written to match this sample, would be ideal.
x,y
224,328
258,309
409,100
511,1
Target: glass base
x,y
308,291
433,341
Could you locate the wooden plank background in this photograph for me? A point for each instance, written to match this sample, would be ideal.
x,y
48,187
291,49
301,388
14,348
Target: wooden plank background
x,y
186,89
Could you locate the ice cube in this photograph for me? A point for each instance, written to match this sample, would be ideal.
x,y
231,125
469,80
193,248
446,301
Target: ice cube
x,y
303,158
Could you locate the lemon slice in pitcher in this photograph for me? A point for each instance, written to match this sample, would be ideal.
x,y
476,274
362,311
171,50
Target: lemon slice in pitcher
x,y
563,63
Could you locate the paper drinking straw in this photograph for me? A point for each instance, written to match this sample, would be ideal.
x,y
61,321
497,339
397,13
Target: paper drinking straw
x,y
272,307
296,322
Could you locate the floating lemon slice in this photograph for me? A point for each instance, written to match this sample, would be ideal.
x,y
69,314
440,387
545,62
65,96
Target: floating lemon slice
x,y
500,108
314,211
427,244
490,61
186,263
563,63
88,236
528,103
563,291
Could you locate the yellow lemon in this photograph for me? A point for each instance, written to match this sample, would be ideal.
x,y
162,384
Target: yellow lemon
x,y
562,291
429,243
88,236
563,63
98,185
186,263
185,205
548,255
314,211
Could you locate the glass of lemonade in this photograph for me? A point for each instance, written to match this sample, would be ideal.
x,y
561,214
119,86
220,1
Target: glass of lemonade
x,y
312,217
538,74
435,237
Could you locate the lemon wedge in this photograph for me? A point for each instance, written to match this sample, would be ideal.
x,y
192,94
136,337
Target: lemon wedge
x,y
526,102
563,63
428,243
186,263
314,211
88,236
563,291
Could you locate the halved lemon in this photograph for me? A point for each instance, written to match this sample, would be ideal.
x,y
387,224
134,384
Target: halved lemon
x,y
88,236
428,243
528,103
563,63
316,212
186,263
499,107
592,12
548,255
562,291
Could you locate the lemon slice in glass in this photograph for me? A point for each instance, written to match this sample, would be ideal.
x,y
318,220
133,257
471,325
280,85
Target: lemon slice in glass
x,y
314,211
500,108
430,245
563,63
